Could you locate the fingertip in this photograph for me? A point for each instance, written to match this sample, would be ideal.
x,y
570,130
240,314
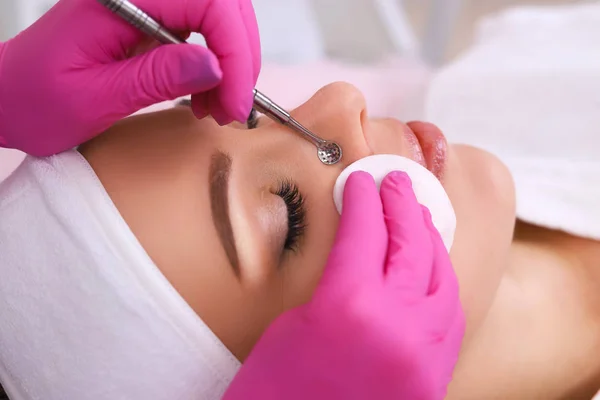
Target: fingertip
x,y
360,194
212,63
200,67
397,186
360,176
235,99
200,105
221,118
244,108
199,114
166,73
217,110
396,179
360,246
358,182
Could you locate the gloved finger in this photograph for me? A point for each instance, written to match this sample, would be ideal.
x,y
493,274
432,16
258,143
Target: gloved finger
x,y
148,43
216,107
249,18
200,104
165,73
409,257
226,36
221,24
443,292
358,252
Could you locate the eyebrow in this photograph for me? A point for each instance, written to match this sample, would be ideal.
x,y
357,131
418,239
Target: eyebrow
x,y
220,168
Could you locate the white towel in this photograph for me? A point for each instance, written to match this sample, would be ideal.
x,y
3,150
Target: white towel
x,y
85,313
529,92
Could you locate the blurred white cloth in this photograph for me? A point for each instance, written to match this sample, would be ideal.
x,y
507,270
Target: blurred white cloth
x,y
529,92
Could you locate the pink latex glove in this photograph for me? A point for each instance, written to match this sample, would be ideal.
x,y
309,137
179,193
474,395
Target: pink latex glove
x,y
80,68
385,321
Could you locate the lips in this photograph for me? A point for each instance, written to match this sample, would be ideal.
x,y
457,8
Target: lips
x,y
430,148
414,147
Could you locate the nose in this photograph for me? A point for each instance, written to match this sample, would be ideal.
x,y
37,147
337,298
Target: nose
x,y
338,113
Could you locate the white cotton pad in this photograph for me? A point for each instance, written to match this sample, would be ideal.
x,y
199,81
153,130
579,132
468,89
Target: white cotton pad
x,y
428,189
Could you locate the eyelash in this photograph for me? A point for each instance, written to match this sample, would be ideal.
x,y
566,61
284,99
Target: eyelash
x,y
294,202
252,119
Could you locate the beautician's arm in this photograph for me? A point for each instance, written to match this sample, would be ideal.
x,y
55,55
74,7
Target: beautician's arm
x,y
79,69
385,321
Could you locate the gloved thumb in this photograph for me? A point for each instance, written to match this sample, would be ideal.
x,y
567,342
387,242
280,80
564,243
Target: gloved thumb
x,y
410,249
359,250
164,73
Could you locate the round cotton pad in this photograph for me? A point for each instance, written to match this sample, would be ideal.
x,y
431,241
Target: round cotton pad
x,y
427,188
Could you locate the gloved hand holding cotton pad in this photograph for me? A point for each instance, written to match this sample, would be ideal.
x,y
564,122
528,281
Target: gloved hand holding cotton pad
x,y
428,189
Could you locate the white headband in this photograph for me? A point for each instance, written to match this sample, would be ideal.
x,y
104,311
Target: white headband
x,y
85,313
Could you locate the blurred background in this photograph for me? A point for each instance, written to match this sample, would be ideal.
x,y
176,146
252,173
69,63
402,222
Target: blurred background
x,y
297,31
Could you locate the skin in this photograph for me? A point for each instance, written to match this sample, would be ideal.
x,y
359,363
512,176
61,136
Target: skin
x,y
530,306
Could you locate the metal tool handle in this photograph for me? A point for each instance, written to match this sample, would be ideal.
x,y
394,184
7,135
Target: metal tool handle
x,y
264,105
269,108
141,21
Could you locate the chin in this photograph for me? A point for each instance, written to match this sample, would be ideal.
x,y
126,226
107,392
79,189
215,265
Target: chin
x,y
482,193
489,179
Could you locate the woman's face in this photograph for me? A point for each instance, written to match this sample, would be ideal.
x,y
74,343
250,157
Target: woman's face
x,y
241,222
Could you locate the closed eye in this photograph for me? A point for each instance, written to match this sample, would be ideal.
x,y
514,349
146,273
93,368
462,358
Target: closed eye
x,y
252,119
296,214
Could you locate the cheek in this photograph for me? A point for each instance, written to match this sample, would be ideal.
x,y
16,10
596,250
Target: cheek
x,y
482,194
386,136
303,272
